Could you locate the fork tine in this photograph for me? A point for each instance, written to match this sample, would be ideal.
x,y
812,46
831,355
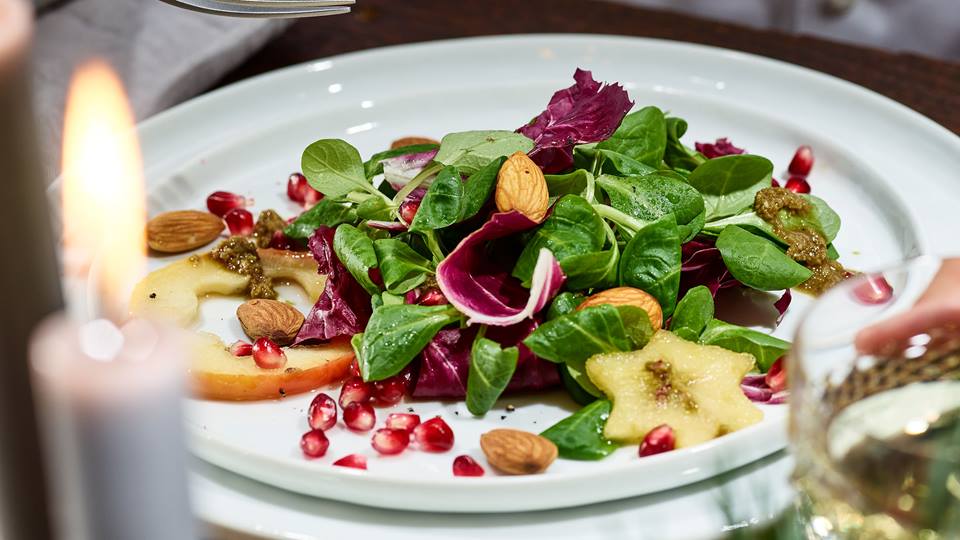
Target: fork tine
x,y
284,4
233,9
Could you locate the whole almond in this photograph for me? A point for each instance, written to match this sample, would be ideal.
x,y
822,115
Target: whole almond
x,y
409,141
182,230
628,296
278,321
522,187
513,451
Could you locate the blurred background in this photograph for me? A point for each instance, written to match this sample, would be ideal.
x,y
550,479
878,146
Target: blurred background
x,y
165,54
929,27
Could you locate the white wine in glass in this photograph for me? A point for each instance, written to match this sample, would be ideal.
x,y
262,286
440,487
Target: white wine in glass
x,y
875,412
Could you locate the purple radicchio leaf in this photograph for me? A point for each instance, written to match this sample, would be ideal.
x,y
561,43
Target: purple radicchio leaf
x,y
722,147
343,308
485,291
757,394
532,373
586,112
445,362
782,304
702,264
399,170
779,397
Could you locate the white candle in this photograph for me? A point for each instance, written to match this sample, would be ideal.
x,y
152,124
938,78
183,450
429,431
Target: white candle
x,y
109,390
110,399
30,286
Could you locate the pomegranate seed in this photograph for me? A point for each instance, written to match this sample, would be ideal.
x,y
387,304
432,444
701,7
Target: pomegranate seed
x,y
359,416
295,183
408,210
354,369
389,391
281,241
404,421
466,466
241,348
434,435
802,161
774,182
311,197
432,297
355,461
299,190
221,202
659,439
322,413
354,390
389,441
314,443
239,221
776,377
798,184
873,290
268,354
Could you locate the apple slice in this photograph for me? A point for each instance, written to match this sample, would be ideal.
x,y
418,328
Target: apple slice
x,y
217,374
173,293
294,266
695,389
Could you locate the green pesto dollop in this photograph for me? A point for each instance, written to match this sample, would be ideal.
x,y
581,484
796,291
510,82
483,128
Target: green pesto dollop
x,y
239,254
268,222
804,244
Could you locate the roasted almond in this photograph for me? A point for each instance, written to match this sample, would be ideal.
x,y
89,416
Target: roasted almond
x,y
183,230
522,187
628,296
408,141
513,451
278,321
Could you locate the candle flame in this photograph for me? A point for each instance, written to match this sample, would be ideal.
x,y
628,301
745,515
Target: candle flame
x,y
103,195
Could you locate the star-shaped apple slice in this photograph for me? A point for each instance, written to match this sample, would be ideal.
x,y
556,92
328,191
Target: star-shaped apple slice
x,y
695,389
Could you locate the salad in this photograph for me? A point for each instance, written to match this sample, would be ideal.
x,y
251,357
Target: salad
x,y
584,250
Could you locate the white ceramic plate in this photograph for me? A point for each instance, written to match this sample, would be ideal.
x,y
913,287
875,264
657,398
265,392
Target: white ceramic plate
x,y
249,136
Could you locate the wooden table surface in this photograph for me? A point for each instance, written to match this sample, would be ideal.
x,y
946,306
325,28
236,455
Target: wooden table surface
x,y
929,86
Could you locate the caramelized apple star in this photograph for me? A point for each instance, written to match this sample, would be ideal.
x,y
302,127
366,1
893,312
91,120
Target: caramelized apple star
x,y
695,389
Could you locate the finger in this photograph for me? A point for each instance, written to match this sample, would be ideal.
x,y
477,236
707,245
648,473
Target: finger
x,y
921,319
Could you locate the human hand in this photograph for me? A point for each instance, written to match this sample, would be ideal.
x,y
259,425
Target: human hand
x,y
938,307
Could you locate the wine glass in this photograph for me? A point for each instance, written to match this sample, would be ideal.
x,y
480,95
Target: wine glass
x,y
876,432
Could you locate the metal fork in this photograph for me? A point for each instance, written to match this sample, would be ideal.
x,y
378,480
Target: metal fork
x,y
277,9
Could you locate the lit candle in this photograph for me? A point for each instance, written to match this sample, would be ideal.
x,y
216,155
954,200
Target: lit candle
x,y
29,283
109,388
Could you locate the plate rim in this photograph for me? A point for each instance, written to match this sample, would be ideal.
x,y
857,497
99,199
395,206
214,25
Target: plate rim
x,y
731,54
